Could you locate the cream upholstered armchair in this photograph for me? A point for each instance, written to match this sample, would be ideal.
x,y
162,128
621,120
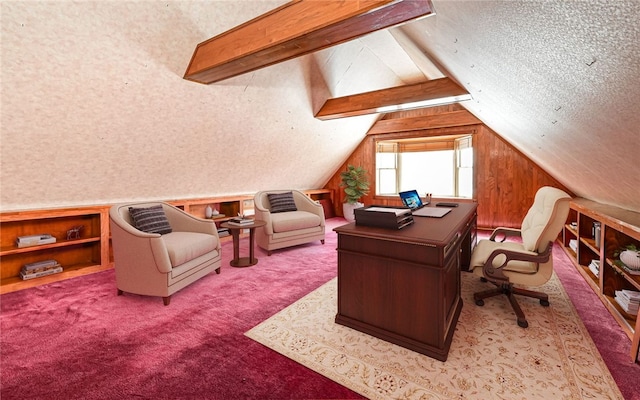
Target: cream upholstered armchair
x,y
291,219
159,249
527,261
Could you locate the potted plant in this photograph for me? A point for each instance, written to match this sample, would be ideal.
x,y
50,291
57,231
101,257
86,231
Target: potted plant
x,y
356,185
629,256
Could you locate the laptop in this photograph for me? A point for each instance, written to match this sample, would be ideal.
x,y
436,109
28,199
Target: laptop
x,y
411,199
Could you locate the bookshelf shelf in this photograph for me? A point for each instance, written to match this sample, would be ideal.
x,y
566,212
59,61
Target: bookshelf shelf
x,y
89,251
618,228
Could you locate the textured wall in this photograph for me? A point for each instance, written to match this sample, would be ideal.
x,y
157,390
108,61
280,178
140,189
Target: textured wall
x,y
95,110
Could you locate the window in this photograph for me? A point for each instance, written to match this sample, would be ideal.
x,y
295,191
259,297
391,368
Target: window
x,y
440,165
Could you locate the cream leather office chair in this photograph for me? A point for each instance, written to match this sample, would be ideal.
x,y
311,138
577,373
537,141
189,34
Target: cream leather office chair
x,y
167,255
291,219
527,262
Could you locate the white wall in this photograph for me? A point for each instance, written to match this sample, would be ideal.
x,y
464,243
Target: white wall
x,y
95,110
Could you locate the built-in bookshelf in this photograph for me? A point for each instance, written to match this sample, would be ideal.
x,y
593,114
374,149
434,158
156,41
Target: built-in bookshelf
x,y
90,250
592,237
81,245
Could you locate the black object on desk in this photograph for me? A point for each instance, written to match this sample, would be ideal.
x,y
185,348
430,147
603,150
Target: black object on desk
x,y
447,205
383,217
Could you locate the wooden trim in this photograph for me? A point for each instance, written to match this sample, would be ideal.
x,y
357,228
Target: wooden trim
x,y
295,29
376,101
444,120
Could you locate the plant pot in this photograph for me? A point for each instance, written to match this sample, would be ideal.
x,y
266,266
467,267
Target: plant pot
x,y
631,259
347,210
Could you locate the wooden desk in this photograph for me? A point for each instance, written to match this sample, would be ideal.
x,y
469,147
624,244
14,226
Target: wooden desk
x,y
403,286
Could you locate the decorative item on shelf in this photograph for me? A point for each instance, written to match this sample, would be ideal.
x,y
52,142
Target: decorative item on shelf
x,y
574,225
34,240
596,233
74,233
208,212
629,258
356,185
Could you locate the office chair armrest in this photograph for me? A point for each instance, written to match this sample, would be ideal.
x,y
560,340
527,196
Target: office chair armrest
x,y
507,232
495,274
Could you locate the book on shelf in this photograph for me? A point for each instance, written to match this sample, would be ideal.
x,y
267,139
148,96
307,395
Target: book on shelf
x,y
39,265
31,275
241,220
594,267
573,244
631,295
628,300
34,240
240,223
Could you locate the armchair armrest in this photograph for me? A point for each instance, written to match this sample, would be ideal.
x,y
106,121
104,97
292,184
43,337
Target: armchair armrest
x,y
136,247
311,206
496,274
264,214
507,232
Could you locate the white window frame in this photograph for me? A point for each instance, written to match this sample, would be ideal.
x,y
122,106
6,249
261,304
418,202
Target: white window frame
x,y
461,163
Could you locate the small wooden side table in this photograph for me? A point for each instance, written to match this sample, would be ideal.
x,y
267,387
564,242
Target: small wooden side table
x,y
235,232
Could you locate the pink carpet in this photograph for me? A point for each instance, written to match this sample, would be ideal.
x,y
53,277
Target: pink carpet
x,y
77,340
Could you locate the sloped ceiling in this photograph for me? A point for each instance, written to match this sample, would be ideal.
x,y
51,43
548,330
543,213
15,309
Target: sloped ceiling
x,y
95,110
560,80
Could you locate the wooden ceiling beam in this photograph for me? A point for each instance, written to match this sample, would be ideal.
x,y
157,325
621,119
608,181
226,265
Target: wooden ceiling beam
x,y
449,119
295,29
426,94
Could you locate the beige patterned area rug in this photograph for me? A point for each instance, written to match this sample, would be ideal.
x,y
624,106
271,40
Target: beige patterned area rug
x,y
490,356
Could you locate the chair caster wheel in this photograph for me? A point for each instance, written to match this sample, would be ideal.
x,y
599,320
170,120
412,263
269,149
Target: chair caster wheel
x,y
523,323
544,303
480,303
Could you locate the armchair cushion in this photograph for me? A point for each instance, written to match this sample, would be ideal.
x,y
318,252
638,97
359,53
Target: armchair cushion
x,y
294,220
150,219
185,246
281,202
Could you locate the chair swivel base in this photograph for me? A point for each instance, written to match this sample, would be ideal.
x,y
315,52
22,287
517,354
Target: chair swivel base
x,y
508,290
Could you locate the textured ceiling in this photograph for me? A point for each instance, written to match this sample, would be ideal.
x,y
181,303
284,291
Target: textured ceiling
x,y
560,80
95,110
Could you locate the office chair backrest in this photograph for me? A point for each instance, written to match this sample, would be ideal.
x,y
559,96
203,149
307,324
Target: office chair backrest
x,y
545,218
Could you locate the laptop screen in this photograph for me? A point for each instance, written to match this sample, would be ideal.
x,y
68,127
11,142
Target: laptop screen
x,y
411,199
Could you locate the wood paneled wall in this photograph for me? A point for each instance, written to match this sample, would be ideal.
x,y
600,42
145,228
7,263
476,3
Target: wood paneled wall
x,y
506,180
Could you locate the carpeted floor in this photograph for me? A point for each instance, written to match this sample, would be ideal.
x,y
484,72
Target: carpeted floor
x,y
490,356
